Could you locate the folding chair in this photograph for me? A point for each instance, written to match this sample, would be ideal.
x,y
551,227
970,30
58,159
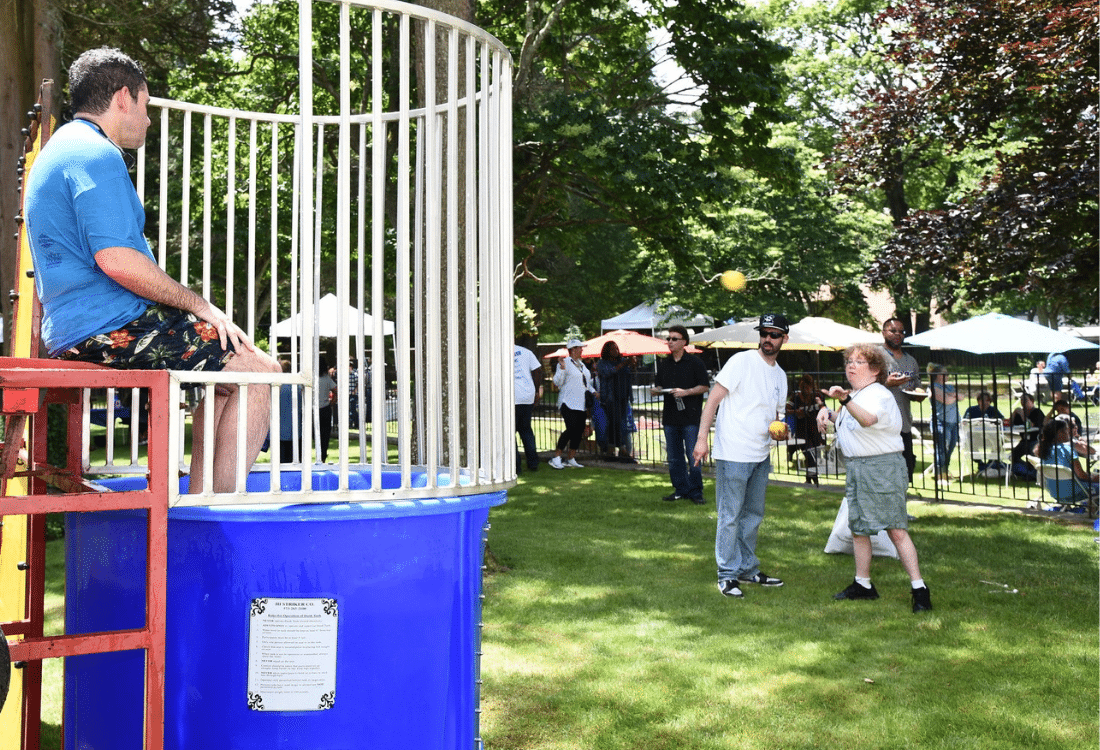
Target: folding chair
x,y
829,460
1065,490
981,440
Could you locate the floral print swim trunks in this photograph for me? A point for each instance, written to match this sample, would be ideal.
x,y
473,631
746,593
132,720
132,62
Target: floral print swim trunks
x,y
161,338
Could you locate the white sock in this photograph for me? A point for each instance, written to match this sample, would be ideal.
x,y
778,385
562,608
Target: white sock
x,y
918,584
864,582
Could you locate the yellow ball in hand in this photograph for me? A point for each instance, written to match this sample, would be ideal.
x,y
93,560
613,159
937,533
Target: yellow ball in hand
x,y
778,430
734,281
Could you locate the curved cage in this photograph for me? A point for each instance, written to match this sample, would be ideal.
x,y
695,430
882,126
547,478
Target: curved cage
x,y
374,228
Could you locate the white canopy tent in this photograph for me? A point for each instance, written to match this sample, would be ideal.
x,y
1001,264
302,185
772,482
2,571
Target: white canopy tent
x,y
327,315
647,317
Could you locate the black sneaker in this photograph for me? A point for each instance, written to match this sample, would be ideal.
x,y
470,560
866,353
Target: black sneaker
x,y
922,600
670,498
730,588
762,579
855,591
698,501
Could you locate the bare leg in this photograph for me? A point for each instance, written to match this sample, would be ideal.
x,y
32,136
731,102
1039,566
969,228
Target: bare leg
x,y
861,550
198,445
226,408
906,552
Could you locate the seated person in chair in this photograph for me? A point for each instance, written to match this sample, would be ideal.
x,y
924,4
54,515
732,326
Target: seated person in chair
x,y
1056,448
984,409
1026,415
1061,407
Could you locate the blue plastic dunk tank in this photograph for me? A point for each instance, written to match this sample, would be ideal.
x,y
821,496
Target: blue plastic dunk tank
x,y
405,578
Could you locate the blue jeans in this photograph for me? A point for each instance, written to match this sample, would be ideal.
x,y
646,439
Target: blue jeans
x,y
945,436
687,479
740,498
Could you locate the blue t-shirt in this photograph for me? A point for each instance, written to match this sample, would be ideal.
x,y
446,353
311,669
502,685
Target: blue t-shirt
x,y
80,200
1065,490
1057,364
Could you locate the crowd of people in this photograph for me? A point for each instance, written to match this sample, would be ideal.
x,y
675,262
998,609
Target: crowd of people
x,y
732,417
744,411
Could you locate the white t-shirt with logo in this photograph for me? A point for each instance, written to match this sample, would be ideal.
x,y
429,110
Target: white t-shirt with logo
x,y
524,362
757,395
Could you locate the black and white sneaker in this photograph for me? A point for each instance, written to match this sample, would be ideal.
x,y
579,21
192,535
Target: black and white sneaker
x,y
855,591
762,579
730,588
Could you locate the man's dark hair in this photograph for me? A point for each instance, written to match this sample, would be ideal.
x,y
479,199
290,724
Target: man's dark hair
x,y
98,74
682,331
888,321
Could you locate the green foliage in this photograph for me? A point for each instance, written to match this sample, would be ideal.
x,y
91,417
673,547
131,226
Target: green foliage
x,y
1012,90
163,35
610,165
526,323
803,251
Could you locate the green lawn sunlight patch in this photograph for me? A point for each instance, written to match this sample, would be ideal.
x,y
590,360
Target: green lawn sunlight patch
x,y
604,628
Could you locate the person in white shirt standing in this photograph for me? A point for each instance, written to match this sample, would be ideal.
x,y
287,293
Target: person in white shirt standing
x,y
573,381
749,393
527,387
868,431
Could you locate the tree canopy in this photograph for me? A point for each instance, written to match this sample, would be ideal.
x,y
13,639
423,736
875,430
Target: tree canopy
x,y
1008,90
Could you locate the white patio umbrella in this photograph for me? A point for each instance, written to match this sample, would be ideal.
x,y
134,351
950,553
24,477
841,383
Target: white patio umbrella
x,y
327,314
808,334
994,333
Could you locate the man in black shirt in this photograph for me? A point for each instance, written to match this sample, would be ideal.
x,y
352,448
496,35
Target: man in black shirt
x,y
683,379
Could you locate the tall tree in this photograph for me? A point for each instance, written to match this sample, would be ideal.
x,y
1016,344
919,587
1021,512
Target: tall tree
x,y
1009,91
839,54
803,251
602,140
27,56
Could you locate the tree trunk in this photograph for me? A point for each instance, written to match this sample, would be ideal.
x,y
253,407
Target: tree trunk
x,y
27,55
453,330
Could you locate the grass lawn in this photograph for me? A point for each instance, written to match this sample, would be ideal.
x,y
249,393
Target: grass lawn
x,y
604,628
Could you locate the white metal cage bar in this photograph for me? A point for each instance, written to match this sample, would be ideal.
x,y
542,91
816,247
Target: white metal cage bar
x,y
402,211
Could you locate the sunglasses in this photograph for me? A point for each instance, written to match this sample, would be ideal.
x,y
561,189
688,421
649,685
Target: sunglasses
x,y
767,335
674,338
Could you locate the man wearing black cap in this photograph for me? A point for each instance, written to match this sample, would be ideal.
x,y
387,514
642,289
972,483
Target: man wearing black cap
x,y
756,388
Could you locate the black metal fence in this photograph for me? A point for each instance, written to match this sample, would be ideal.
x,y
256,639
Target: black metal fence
x,y
978,468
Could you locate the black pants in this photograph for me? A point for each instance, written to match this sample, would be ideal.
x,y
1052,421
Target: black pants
x,y
574,428
907,451
526,435
324,417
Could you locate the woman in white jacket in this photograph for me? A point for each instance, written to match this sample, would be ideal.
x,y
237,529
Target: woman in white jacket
x,y
573,381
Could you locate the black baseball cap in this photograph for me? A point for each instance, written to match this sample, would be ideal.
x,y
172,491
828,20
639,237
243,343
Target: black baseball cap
x,y
774,320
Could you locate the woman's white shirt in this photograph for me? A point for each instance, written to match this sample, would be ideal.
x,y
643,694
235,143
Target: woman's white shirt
x,y
572,382
884,436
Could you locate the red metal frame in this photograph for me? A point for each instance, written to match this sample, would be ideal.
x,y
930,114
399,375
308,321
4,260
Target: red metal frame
x,y
26,387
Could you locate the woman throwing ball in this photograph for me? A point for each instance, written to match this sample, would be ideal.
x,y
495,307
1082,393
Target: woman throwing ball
x,y
868,431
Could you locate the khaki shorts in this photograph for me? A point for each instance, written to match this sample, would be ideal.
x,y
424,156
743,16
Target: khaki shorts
x,y
875,491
